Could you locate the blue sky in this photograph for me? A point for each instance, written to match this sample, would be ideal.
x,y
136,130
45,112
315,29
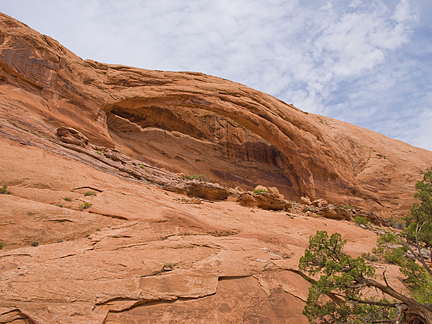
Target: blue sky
x,y
366,62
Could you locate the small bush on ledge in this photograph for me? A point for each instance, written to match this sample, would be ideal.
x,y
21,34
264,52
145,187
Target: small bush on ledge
x,y
85,205
359,220
258,191
200,177
4,191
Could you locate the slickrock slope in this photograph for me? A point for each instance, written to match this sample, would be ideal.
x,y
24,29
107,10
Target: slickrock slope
x,y
141,254
145,248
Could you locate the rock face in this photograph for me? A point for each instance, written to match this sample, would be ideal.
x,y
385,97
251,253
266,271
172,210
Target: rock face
x,y
198,124
98,227
140,254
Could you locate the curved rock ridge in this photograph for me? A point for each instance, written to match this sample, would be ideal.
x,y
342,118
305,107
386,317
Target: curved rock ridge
x,y
194,123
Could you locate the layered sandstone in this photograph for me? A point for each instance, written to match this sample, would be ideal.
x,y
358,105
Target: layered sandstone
x,y
199,124
140,254
141,250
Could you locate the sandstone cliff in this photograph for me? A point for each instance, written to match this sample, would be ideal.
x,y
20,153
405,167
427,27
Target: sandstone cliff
x,y
139,252
199,124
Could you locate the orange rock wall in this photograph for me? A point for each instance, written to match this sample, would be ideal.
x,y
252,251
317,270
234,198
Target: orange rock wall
x,y
199,124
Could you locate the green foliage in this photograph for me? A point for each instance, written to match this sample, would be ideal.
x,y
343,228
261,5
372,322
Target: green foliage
x,y
396,223
1,245
169,265
34,243
89,193
339,294
142,166
359,220
99,152
420,220
370,257
418,281
200,177
347,207
258,191
60,205
340,275
4,191
85,205
388,238
67,199
395,256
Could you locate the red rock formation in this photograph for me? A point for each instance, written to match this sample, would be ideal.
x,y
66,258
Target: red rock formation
x,y
198,124
139,254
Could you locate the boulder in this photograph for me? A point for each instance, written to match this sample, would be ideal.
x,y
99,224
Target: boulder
x,y
72,136
305,200
264,201
319,203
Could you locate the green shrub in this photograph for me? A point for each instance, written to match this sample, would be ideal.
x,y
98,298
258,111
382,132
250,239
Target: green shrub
x,y
99,152
258,191
4,191
85,205
1,245
388,238
396,223
89,193
34,243
60,205
168,265
200,177
67,199
370,256
395,256
347,207
142,166
378,250
359,220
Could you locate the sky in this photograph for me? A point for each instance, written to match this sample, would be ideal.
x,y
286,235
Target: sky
x,y
366,62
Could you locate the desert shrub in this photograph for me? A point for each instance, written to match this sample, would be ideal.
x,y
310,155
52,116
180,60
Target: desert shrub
x,y
67,199
396,223
85,205
360,220
388,238
35,243
395,256
258,191
1,245
168,265
378,250
142,166
370,257
347,207
200,177
89,193
4,191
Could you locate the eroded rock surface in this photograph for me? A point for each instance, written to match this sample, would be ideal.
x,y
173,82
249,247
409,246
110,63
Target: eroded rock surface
x,y
141,254
193,123
98,227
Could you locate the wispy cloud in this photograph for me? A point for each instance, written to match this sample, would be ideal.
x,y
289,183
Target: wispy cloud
x,y
367,62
